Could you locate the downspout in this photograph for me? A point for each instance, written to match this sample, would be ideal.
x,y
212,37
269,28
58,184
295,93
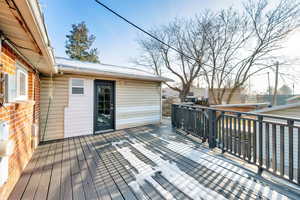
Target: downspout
x,y
2,89
49,105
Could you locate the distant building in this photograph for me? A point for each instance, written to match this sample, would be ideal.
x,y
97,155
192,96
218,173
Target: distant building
x,y
294,99
205,93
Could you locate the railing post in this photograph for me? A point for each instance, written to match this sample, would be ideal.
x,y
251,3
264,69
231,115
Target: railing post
x,y
291,149
212,117
260,144
172,115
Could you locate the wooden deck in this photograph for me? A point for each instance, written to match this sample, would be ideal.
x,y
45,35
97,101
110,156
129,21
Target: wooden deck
x,y
150,162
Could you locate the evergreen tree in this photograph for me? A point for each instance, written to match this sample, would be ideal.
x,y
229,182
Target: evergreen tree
x,y
78,44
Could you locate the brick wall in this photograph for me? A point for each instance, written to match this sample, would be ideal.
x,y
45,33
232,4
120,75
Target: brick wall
x,y
21,116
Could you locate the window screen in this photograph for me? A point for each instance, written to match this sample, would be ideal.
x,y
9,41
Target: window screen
x,y
16,84
77,86
12,87
22,79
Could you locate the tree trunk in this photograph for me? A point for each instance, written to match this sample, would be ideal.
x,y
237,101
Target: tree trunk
x,y
230,95
184,92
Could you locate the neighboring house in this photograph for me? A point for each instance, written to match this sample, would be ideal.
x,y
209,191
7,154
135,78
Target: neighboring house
x,y
205,93
280,99
294,99
247,107
24,55
169,93
289,111
86,98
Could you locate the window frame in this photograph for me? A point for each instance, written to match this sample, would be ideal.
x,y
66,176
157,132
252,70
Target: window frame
x,y
71,86
21,69
19,96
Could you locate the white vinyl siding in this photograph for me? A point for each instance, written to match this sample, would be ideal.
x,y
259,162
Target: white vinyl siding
x,y
58,88
79,112
137,103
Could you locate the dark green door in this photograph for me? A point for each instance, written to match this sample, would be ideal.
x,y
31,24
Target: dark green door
x,y
104,106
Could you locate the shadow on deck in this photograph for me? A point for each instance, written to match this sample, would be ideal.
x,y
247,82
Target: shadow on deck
x,y
150,162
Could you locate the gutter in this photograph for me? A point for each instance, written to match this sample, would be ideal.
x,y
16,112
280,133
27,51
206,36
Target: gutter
x,y
39,19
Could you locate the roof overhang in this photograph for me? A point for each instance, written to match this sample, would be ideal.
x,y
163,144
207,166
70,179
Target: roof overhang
x,y
22,25
81,71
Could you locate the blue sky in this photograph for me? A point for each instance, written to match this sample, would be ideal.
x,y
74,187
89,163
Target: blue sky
x,y
115,39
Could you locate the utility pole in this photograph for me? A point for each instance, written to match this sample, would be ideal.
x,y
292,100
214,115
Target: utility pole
x,y
269,84
274,100
293,89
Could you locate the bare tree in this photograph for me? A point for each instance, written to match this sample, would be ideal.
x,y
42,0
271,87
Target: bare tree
x,y
186,63
226,47
241,44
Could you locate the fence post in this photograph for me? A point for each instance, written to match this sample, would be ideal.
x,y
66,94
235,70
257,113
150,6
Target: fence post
x,y
212,117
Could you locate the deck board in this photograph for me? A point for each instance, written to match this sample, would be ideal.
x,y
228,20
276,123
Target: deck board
x,y
25,177
54,187
35,179
150,163
42,190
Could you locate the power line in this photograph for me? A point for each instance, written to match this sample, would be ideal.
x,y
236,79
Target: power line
x,y
144,31
149,34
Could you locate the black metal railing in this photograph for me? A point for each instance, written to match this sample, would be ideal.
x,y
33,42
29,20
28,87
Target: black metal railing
x,y
270,142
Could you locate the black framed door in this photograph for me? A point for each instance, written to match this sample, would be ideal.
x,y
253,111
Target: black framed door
x,y
104,109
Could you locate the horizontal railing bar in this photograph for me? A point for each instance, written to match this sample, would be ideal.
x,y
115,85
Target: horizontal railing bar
x,y
239,112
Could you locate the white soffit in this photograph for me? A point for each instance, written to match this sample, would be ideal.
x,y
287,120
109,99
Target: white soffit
x,y
22,25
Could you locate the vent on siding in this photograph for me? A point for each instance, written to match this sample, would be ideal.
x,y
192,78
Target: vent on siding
x,y
77,90
77,86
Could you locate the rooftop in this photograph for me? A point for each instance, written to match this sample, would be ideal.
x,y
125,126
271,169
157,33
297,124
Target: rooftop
x,y
150,162
74,66
276,108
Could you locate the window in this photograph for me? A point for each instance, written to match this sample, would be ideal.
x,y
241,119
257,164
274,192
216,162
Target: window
x,y
22,84
77,86
17,85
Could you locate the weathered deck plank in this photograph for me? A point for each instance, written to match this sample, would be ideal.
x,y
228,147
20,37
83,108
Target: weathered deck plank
x,y
33,184
55,182
66,182
110,183
25,177
134,164
78,190
42,190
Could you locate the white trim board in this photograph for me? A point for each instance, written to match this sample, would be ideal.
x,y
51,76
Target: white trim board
x,y
131,109
152,118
